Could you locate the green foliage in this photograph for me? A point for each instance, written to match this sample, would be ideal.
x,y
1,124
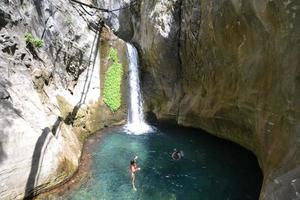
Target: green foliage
x,y
113,55
37,42
112,85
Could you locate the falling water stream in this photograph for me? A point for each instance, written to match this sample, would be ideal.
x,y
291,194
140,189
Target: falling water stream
x,y
136,123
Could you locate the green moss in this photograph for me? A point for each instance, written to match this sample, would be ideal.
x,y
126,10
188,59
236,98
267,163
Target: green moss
x,y
37,42
112,85
113,55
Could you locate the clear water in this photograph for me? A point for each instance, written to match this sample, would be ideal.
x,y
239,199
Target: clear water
x,y
211,168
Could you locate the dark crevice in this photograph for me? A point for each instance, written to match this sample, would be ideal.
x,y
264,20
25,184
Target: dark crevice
x,y
4,94
4,19
10,49
69,120
23,56
56,125
32,50
5,98
39,7
179,68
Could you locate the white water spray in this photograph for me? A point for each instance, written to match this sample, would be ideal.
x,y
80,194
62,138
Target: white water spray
x,y
136,123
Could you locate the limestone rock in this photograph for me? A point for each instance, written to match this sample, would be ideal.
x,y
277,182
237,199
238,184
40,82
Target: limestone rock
x,y
119,21
8,45
39,146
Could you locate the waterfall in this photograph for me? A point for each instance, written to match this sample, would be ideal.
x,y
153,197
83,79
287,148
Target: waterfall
x,y
136,123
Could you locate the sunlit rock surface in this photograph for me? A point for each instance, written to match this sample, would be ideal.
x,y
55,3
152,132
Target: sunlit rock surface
x,y
49,97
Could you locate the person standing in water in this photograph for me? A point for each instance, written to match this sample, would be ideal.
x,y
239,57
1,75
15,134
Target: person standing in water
x,y
133,169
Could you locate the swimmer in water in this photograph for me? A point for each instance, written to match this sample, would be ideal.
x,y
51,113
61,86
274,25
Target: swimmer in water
x,y
176,155
133,169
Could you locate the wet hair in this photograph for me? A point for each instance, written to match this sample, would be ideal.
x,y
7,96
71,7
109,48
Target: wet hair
x,y
176,155
132,162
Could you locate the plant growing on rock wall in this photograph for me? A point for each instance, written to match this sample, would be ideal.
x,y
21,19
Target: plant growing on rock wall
x,y
112,84
37,42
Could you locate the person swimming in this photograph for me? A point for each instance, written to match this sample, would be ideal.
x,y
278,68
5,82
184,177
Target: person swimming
x,y
176,155
133,168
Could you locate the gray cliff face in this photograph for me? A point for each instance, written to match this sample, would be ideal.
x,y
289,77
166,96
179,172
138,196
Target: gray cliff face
x,y
120,20
240,68
156,35
230,67
49,96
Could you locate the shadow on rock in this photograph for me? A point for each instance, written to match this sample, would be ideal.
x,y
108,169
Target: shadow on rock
x,y
3,155
36,158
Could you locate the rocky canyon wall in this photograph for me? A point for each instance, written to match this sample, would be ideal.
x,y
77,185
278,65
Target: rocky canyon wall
x,y
230,67
240,69
49,96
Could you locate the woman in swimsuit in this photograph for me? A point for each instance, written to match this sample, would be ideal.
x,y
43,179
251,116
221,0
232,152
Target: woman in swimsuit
x,y
133,169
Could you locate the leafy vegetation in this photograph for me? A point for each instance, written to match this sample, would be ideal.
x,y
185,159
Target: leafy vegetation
x,y
37,42
112,85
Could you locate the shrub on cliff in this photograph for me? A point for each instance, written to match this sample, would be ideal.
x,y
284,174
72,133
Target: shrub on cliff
x,y
37,42
112,85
